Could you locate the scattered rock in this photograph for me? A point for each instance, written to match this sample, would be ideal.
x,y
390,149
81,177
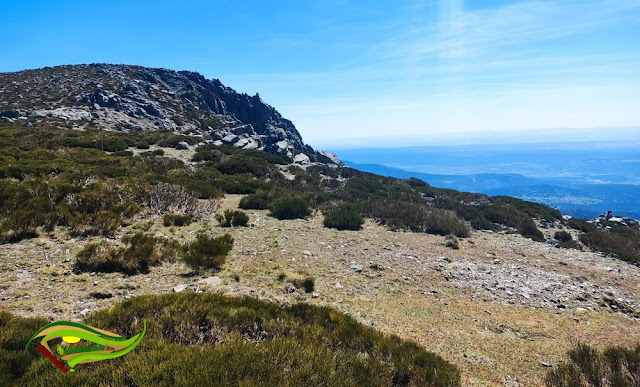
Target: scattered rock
x,y
211,281
182,145
179,288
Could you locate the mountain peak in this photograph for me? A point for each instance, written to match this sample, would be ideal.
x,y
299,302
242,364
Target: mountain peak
x,y
135,98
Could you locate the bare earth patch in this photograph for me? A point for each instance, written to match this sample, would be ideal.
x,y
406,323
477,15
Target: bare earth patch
x,y
498,308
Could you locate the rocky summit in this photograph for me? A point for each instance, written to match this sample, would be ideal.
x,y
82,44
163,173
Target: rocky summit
x,y
135,98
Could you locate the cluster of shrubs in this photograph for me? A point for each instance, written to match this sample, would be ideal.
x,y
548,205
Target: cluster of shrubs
x,y
587,366
256,201
46,171
141,251
232,218
416,217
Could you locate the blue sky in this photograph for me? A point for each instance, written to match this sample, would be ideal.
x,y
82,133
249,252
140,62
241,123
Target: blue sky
x,y
362,71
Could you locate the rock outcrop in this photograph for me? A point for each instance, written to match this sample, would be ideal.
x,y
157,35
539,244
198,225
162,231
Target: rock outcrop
x,y
133,98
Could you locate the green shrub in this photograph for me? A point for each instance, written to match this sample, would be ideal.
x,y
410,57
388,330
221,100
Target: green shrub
x,y
307,283
615,366
139,253
290,208
346,218
451,242
207,252
256,201
620,240
563,236
142,145
176,220
232,218
124,153
418,218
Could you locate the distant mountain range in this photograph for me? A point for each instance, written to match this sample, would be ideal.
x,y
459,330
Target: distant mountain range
x,y
569,196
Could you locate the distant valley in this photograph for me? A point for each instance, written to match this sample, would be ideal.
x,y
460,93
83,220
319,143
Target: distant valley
x,y
580,179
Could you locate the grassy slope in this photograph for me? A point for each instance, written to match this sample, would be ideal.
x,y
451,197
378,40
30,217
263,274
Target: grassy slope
x,y
202,339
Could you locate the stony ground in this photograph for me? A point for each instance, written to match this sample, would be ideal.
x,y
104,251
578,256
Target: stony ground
x,y
503,308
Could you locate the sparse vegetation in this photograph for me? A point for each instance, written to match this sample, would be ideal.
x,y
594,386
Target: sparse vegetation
x,y
587,366
232,218
207,252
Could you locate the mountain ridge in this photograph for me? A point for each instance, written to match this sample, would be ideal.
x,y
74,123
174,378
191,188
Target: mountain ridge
x,y
136,98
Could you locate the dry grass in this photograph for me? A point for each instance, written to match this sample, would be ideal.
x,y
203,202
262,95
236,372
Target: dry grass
x,y
402,288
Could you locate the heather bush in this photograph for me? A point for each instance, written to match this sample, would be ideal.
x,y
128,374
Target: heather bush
x,y
256,201
451,242
232,218
207,252
290,208
587,366
140,251
563,236
345,218
176,220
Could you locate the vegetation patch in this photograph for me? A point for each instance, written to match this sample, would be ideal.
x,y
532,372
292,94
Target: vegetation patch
x,y
139,253
232,218
345,218
290,208
203,339
207,252
587,366
256,201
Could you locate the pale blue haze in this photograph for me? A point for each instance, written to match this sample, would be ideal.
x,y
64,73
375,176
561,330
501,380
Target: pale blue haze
x,y
366,70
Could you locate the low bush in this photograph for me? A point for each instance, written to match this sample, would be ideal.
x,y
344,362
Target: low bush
x,y
176,220
207,252
345,218
256,201
290,208
615,366
418,218
307,283
622,241
232,218
139,253
563,236
451,242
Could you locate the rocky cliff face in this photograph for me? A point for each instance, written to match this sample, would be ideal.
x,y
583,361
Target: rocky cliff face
x,y
132,98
